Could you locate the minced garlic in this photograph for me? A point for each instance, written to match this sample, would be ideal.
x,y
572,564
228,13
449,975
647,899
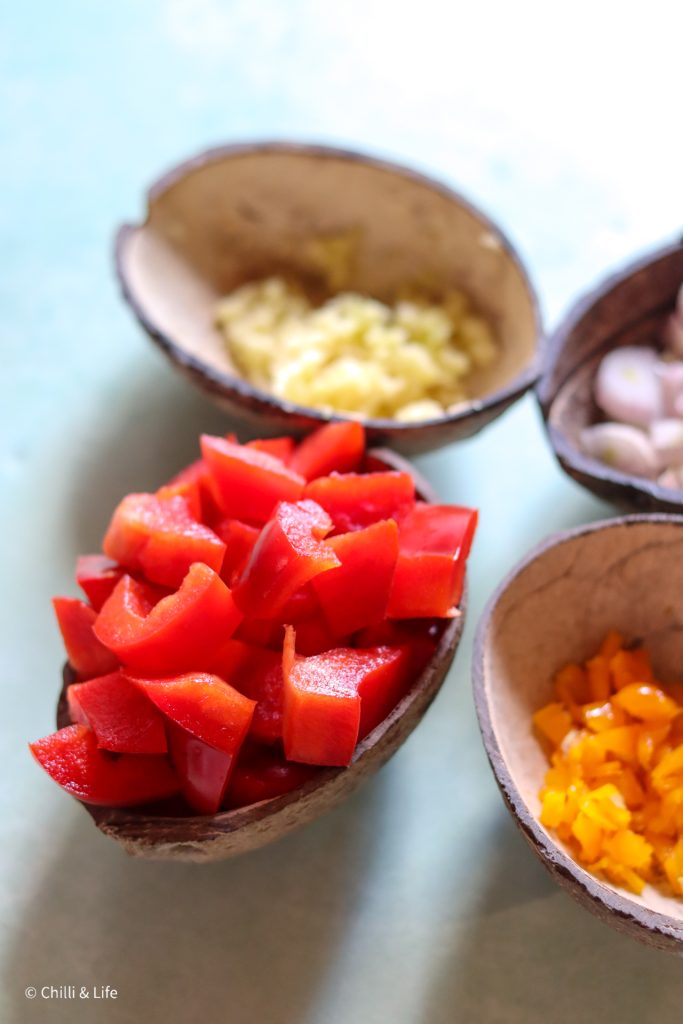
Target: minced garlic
x,y
355,355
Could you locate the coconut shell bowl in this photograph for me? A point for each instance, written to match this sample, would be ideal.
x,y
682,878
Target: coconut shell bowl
x,y
169,832
244,212
630,308
553,609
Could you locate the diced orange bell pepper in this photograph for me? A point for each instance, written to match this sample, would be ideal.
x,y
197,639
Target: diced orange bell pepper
x,y
599,679
630,667
620,741
603,715
646,702
553,722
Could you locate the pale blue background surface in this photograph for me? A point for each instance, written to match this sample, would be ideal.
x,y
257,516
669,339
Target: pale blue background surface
x,y
416,903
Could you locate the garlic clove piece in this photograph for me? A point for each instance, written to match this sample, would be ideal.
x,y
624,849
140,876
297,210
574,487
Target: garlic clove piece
x,y
670,377
626,387
622,446
667,440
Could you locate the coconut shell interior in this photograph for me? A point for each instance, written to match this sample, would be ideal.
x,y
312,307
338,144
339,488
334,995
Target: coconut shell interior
x,y
245,212
556,608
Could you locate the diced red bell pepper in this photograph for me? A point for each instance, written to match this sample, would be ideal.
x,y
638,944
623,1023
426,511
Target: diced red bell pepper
x,y
384,676
87,656
179,633
280,447
259,677
186,486
434,542
355,500
204,705
97,576
249,483
336,447
420,636
313,635
257,673
262,773
261,633
72,758
357,593
122,718
229,660
239,539
301,609
203,772
321,708
337,697
196,476
300,605
288,553
159,538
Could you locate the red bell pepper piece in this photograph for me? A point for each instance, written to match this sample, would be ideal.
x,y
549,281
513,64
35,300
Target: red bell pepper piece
x,y
300,609
313,635
259,677
419,636
122,718
260,633
249,483
72,758
239,539
97,576
384,678
434,542
159,538
197,475
335,698
321,708
262,773
357,593
87,656
280,447
355,500
336,447
179,633
202,771
205,706
288,553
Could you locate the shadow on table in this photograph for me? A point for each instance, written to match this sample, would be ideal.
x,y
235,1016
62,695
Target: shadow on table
x,y
149,431
247,941
531,955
